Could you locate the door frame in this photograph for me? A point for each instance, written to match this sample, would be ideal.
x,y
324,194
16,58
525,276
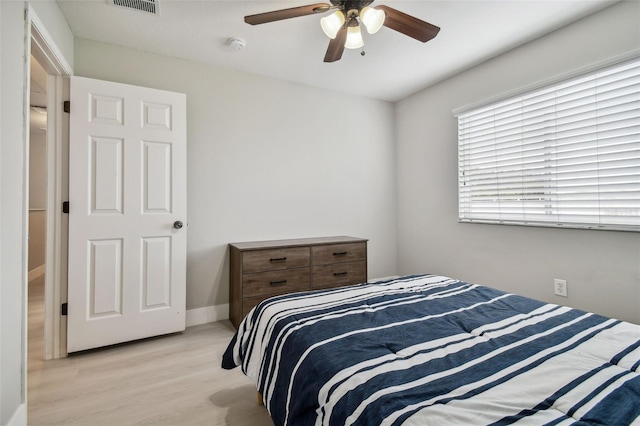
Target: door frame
x,y
41,45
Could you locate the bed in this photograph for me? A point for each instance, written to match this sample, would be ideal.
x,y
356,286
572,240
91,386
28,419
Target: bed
x,y
432,350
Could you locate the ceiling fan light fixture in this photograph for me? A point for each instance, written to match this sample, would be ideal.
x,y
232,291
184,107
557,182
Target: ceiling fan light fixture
x,y
331,24
354,38
372,18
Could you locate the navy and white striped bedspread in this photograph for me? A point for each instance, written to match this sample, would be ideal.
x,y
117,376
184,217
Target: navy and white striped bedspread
x,y
431,350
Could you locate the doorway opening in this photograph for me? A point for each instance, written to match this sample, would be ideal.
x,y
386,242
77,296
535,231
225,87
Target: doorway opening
x,y
46,162
37,238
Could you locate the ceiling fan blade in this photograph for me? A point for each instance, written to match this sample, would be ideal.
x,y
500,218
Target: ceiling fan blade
x,y
408,25
336,46
294,12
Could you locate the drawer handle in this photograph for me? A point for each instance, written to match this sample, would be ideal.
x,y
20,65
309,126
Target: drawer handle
x,y
340,253
337,274
281,282
277,259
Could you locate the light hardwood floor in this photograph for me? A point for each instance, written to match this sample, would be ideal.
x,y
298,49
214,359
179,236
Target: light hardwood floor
x,y
170,380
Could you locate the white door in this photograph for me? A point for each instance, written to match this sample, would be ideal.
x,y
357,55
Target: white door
x,y
128,204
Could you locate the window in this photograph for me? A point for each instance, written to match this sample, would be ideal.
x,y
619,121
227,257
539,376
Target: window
x,y
565,155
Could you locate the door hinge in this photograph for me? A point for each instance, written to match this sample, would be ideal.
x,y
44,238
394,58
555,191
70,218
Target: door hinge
x,y
65,207
66,106
63,309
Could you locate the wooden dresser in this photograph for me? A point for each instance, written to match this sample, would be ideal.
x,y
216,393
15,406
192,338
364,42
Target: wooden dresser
x,y
263,269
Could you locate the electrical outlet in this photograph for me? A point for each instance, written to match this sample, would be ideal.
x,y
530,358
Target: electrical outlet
x,y
560,287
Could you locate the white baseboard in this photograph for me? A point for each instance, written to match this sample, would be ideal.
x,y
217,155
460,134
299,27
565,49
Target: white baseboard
x,y
19,417
36,272
207,314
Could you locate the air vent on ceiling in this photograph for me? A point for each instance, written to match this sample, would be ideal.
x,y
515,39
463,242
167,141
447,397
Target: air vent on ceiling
x,y
147,6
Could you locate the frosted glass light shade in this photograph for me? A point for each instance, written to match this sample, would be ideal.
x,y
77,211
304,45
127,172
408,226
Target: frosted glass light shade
x,y
331,24
373,19
354,38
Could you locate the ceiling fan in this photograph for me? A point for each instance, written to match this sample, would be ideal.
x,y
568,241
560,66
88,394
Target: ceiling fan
x,y
343,25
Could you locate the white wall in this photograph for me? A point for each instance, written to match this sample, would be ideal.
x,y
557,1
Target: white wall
x,y
602,268
37,198
12,213
267,160
13,209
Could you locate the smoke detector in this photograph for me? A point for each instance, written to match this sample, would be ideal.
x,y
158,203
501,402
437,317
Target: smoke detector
x,y
236,43
146,6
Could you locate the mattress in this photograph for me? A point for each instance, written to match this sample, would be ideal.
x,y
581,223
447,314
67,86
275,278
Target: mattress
x,y
433,350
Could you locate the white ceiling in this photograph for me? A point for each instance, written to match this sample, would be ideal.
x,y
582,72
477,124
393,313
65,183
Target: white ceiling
x,y
394,67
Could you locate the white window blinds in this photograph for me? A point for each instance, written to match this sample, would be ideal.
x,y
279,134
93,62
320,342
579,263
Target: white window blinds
x,y
566,155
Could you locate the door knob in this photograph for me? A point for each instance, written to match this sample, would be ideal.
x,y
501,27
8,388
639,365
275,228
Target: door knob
x,y
178,224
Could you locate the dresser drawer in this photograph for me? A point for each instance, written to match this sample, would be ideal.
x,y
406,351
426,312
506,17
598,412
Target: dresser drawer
x,y
249,303
335,253
268,260
276,282
339,274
